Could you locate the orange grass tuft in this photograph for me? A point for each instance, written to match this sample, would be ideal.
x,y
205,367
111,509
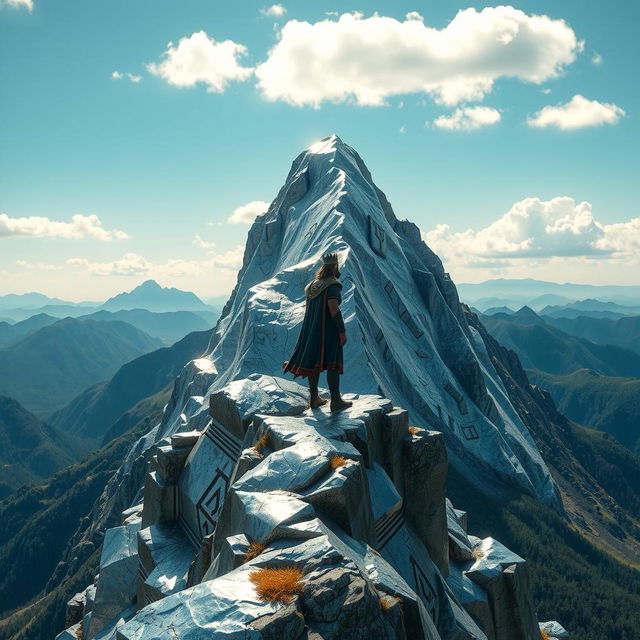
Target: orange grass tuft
x,y
261,442
387,602
337,461
277,584
414,430
80,630
255,549
544,635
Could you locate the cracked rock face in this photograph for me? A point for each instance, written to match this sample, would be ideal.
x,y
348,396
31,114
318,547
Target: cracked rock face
x,y
317,499
238,474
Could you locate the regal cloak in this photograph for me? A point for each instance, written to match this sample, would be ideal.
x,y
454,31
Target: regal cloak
x,y
318,346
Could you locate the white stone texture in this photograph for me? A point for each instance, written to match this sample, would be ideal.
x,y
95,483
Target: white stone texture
x,y
117,581
554,629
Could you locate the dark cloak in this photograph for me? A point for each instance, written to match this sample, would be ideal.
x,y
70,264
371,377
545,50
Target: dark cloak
x,y
318,347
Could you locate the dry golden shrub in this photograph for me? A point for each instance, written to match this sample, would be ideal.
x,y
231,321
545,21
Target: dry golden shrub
x,y
277,584
261,442
387,602
414,430
337,461
255,549
544,635
477,553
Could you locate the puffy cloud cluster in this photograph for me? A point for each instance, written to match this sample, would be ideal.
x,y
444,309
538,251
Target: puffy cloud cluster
x,y
41,227
118,75
132,264
579,112
247,213
200,58
38,266
203,244
371,59
535,228
468,119
19,4
274,11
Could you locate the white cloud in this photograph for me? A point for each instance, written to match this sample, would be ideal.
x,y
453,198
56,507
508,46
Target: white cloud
x,y
19,4
203,244
231,259
579,112
40,227
275,10
468,119
118,75
596,59
228,261
370,59
200,58
247,213
403,129
40,266
534,228
414,15
130,264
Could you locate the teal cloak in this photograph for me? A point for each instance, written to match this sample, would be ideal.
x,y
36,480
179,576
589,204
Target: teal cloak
x,y
318,347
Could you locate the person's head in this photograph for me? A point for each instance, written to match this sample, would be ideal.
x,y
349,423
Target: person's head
x,y
329,268
328,271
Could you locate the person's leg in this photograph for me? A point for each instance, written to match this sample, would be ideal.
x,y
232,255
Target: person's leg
x,y
333,381
315,400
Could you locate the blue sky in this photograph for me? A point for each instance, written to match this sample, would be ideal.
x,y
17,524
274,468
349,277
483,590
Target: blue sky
x,y
447,110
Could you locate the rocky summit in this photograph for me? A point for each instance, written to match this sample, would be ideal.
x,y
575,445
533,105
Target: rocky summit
x,y
244,514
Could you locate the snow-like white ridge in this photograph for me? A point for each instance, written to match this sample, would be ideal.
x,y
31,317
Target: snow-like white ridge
x,y
407,335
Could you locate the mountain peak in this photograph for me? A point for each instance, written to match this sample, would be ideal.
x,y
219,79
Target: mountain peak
x,y
410,337
526,313
153,297
148,285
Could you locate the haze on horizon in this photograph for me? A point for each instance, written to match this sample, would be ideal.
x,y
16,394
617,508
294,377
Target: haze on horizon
x,y
506,133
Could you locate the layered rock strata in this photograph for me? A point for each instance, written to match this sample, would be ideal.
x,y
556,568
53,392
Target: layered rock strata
x,y
354,501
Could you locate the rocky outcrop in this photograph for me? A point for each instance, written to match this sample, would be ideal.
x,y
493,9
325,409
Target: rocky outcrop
x,y
267,485
239,471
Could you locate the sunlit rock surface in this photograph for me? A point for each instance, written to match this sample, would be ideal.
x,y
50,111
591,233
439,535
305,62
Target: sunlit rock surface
x,y
238,459
317,496
554,629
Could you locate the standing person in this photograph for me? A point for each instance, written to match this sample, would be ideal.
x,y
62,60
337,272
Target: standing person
x,y
322,336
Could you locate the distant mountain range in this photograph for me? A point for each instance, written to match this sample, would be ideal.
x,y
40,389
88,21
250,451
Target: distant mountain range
x,y
595,384
623,332
544,347
28,301
590,308
539,295
149,296
46,369
539,292
38,521
30,450
91,412
13,332
602,402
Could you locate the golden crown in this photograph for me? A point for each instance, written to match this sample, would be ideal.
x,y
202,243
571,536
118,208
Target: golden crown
x,y
330,258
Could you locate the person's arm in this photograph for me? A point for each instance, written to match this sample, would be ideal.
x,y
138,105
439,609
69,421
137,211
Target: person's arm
x,y
336,316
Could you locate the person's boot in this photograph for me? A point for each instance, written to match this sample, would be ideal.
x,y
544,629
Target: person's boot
x,y
315,400
337,402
